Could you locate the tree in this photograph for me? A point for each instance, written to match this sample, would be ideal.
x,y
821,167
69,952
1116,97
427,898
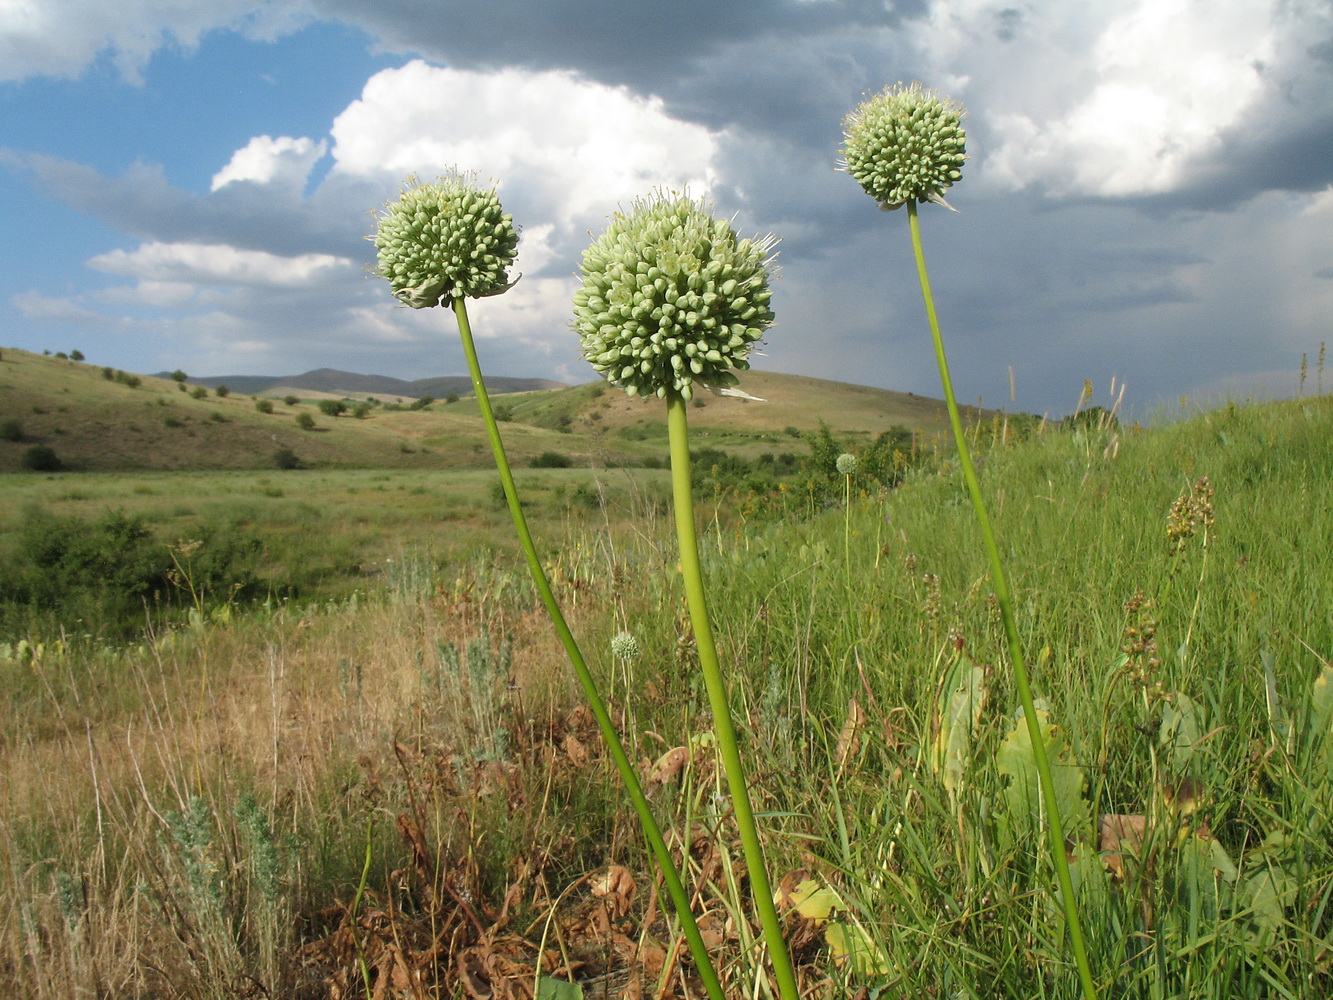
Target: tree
x,y
332,407
178,376
290,400
285,458
264,405
451,398
305,421
76,355
222,390
41,458
198,392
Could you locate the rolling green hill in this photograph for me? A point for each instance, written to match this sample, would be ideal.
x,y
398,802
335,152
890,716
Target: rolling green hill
x,y
100,420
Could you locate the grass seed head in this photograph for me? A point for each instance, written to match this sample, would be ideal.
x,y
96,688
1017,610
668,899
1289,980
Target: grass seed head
x,y
905,144
672,297
445,240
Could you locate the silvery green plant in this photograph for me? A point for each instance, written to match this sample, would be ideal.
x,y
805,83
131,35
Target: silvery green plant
x,y
439,245
906,146
673,299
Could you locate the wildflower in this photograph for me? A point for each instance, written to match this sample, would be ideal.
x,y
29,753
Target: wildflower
x,y
624,646
905,144
445,240
846,464
672,297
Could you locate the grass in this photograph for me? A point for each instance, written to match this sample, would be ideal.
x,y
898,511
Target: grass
x,y
433,712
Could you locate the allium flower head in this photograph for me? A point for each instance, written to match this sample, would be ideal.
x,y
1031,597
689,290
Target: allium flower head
x,y
672,297
846,464
905,144
445,240
624,646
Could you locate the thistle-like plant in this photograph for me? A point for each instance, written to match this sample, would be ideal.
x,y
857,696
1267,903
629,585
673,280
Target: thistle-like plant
x,y
439,245
905,146
672,299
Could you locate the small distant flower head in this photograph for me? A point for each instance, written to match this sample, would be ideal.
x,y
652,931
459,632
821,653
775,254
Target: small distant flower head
x,y
846,464
905,144
446,240
672,297
624,646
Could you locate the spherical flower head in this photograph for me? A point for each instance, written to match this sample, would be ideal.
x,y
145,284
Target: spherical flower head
x,y
846,464
624,646
446,240
672,298
905,144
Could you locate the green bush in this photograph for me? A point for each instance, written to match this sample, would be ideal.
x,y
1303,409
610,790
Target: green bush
x,y
222,391
285,458
332,407
76,355
422,403
179,376
11,430
264,405
305,421
42,458
172,421
291,400
551,460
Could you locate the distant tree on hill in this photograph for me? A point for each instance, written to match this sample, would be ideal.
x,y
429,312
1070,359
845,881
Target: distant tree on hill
x,y
222,390
285,458
305,421
451,398
76,355
291,400
11,430
264,405
198,392
179,376
422,403
332,407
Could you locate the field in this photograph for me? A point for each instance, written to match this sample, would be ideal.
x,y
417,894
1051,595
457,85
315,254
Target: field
x,y
386,786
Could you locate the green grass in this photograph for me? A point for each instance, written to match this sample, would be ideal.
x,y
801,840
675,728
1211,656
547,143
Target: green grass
x,y
330,713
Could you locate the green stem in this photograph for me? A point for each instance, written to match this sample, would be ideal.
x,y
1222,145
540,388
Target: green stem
x,y
718,700
1055,827
675,889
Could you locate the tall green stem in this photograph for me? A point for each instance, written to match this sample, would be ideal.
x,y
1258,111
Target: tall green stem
x,y
675,889
760,889
1055,827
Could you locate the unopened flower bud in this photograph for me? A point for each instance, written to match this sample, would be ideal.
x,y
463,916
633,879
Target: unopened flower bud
x,y
905,144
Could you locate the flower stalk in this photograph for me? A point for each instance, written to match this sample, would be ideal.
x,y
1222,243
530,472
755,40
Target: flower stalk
x,y
439,245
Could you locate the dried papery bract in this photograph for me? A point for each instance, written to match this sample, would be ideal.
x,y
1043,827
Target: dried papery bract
x,y
906,146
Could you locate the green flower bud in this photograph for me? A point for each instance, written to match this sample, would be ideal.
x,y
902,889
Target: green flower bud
x,y
675,289
443,241
846,464
624,646
905,144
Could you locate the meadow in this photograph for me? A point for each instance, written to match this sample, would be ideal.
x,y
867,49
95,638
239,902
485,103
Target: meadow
x,y
389,786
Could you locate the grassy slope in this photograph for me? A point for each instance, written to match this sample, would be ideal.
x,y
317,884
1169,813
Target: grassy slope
x,y
330,715
97,425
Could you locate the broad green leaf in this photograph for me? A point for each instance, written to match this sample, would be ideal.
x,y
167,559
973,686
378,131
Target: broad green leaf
x,y
1023,808
549,988
1180,731
814,901
962,698
851,942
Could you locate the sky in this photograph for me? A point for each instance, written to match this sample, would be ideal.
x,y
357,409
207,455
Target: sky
x,y
1148,200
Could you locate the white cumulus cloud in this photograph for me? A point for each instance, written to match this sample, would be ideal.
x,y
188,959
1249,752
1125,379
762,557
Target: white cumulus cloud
x,y
283,162
207,264
571,148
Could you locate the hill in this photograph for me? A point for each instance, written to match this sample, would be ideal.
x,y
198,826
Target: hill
x,y
340,384
97,419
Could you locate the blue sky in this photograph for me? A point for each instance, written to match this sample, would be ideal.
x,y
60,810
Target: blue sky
x,y
1149,196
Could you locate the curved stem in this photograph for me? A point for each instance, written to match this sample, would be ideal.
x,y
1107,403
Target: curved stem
x,y
680,900
1055,827
760,889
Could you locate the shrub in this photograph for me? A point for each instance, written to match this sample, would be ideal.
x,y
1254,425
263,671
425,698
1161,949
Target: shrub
x,y
285,458
264,405
504,413
42,458
305,421
291,400
179,376
198,392
76,355
551,460
217,417
109,374
332,407
422,403
451,398
361,411
62,355
172,421
11,430
222,391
